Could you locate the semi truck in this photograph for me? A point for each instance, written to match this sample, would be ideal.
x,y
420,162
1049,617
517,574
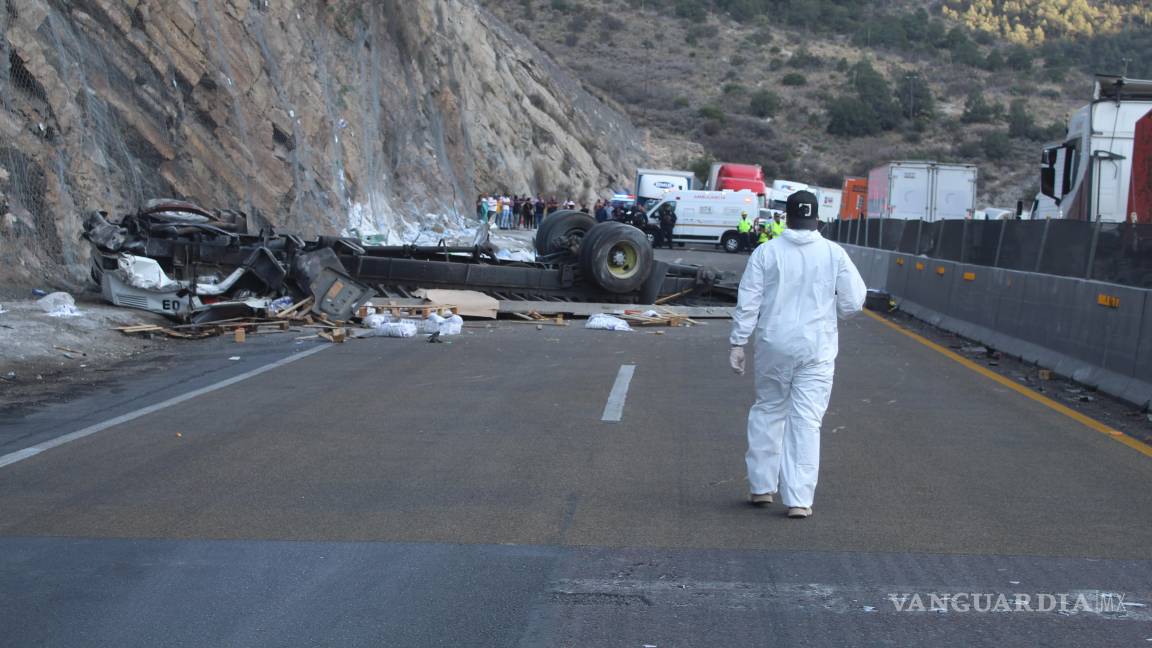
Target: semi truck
x,y
922,190
854,200
830,201
781,189
730,176
1102,170
652,184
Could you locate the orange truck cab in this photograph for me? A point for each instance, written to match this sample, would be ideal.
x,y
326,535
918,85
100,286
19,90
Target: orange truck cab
x,y
855,199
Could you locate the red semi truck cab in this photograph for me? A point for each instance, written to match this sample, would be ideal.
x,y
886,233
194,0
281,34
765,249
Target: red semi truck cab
x,y
730,176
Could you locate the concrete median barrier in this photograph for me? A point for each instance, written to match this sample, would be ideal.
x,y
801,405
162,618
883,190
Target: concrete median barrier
x,y
1096,333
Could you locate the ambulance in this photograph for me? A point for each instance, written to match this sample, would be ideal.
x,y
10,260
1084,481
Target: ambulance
x,y
705,217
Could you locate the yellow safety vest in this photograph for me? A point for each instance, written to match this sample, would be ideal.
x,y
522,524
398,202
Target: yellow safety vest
x,y
764,236
744,226
777,228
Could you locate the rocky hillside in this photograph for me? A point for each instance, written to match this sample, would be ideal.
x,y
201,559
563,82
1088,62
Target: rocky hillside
x,y
317,115
818,89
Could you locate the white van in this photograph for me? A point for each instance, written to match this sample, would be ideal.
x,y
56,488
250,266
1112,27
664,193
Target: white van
x,y
705,217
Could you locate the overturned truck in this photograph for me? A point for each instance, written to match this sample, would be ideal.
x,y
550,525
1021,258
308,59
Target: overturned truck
x,y
203,265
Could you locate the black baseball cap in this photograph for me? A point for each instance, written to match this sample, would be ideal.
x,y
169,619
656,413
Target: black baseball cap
x,y
802,204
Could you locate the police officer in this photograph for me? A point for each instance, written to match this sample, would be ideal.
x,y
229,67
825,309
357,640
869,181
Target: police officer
x,y
667,222
744,227
639,218
776,227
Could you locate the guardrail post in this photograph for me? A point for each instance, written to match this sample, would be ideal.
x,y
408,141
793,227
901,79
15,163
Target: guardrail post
x,y
880,237
919,234
1092,249
937,243
964,242
867,224
1043,243
1000,242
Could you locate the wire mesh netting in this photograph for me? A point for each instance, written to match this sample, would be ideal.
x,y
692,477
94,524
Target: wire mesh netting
x,y
320,117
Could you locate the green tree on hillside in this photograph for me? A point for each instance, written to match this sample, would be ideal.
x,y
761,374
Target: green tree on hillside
x,y
763,103
873,90
851,118
873,109
915,97
1020,123
976,110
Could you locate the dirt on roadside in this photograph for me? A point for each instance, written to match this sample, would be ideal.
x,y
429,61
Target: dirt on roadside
x,y
45,358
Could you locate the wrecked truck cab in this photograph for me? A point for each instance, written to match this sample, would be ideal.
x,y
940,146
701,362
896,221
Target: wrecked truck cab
x,y
139,282
179,260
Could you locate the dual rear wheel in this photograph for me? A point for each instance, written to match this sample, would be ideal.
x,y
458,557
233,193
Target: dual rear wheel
x,y
614,256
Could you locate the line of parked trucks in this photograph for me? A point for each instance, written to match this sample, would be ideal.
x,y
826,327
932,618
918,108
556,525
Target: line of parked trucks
x,y
1100,171
710,214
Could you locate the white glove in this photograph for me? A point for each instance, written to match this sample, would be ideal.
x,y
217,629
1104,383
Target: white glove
x,y
736,359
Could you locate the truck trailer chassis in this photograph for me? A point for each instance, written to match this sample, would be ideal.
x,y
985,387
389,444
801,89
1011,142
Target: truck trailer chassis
x,y
199,265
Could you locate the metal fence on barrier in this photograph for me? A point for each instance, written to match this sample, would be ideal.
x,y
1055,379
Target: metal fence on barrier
x,y
1114,252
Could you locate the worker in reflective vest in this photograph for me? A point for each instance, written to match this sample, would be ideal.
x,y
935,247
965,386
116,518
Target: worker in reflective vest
x,y
744,227
777,227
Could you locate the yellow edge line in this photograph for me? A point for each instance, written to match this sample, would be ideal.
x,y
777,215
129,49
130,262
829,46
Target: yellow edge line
x,y
1092,423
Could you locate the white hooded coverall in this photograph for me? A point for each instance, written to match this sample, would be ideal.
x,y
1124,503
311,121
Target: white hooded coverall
x,y
793,289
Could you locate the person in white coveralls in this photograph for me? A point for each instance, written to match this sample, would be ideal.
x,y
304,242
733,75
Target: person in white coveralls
x,y
793,289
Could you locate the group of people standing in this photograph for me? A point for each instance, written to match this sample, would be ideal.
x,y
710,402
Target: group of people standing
x,y
519,212
753,234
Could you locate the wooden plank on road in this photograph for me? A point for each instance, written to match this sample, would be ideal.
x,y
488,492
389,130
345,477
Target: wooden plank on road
x,y
585,309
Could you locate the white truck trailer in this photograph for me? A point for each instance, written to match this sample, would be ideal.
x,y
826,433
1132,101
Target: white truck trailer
x,y
829,200
922,190
652,184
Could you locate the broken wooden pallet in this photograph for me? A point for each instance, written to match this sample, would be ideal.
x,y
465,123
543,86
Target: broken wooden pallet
x,y
421,311
587,309
209,329
660,319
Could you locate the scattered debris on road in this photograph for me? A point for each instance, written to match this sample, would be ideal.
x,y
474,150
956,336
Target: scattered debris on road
x,y
657,318
59,304
198,265
604,322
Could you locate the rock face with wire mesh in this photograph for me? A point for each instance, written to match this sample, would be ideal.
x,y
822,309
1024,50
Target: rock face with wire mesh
x,y
317,116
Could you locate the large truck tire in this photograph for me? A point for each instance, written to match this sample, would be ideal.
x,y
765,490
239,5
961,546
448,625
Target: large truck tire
x,y
557,230
616,257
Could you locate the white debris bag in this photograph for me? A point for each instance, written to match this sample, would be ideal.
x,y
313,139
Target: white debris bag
x,y
431,324
377,320
605,322
420,325
383,325
452,325
403,329
58,304
279,304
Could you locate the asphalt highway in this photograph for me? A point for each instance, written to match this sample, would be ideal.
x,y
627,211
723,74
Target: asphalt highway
x,y
391,492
